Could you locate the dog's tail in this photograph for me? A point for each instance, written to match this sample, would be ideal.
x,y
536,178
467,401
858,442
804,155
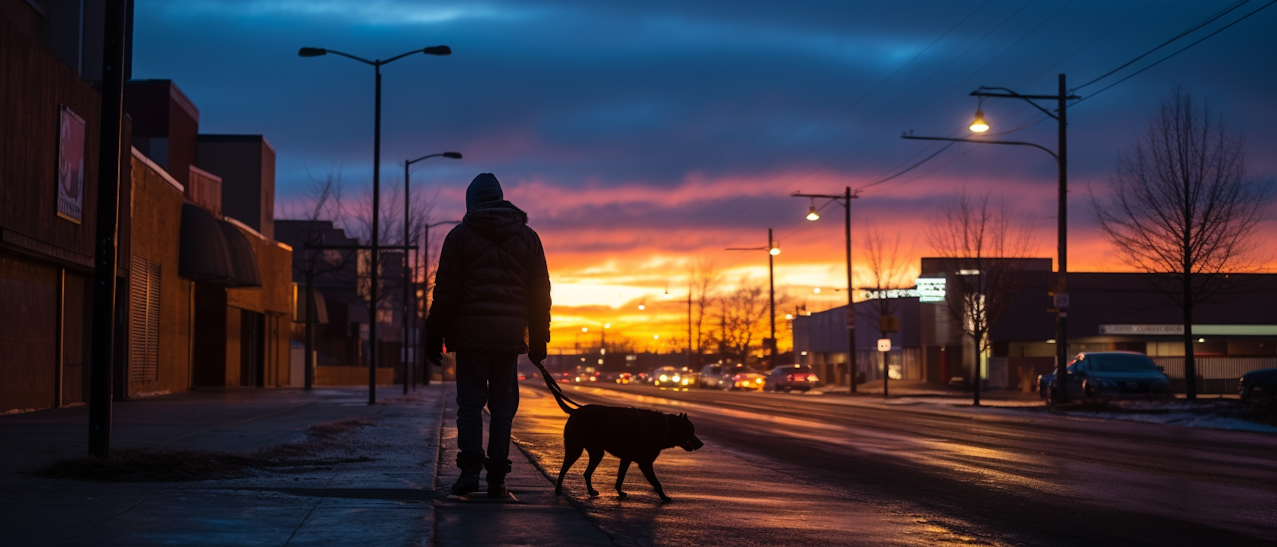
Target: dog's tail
x,y
557,391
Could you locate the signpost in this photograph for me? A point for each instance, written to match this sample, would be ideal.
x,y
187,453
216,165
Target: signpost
x,y
884,346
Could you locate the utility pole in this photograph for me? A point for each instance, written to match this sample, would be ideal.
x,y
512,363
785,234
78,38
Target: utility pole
x,y
1061,296
102,346
845,201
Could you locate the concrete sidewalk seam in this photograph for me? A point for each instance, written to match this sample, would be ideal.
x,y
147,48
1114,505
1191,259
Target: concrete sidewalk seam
x,y
120,512
231,424
576,504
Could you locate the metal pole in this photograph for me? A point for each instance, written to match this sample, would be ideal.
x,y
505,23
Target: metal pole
x,y
309,374
851,310
771,295
108,207
406,273
425,305
376,226
689,326
1062,332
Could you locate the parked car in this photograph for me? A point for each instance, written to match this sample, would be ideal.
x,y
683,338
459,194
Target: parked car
x,y
1259,385
1109,374
746,378
791,377
670,377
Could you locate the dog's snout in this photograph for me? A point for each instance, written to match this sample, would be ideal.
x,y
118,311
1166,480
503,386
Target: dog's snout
x,y
693,444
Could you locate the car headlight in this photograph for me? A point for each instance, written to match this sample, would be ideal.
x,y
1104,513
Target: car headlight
x,y
664,378
675,377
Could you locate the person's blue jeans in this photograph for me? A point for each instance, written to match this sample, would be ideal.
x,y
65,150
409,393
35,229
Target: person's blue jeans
x,y
486,378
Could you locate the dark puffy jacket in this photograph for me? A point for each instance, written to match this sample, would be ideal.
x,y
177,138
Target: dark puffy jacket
x,y
492,290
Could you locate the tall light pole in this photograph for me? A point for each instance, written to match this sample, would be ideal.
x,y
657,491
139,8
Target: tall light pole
x,y
407,266
425,249
689,320
376,194
979,125
772,250
845,201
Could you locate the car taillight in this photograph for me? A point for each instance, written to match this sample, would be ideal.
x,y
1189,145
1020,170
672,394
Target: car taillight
x,y
789,377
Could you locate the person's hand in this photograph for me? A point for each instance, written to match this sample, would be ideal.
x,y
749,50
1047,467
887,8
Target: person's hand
x,y
537,353
434,349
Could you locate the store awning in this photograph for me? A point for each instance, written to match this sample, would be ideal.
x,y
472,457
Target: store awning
x,y
202,253
243,259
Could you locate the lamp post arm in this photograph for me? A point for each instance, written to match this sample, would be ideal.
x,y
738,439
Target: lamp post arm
x,y
1009,94
1013,143
349,56
426,157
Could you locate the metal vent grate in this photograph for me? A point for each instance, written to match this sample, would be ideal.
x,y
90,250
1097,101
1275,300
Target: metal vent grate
x,y
144,321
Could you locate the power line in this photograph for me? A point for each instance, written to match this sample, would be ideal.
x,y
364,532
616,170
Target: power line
x,y
1190,30
1185,48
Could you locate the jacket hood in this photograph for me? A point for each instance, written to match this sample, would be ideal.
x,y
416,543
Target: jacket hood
x,y
498,220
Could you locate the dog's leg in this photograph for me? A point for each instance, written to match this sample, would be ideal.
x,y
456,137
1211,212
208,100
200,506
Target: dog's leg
x,y
620,477
570,455
596,456
646,467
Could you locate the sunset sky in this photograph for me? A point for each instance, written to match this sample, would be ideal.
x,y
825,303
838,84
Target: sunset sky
x,y
645,136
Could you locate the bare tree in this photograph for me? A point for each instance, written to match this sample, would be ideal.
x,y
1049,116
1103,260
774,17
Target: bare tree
x,y
319,211
981,244
1182,204
704,279
889,272
743,318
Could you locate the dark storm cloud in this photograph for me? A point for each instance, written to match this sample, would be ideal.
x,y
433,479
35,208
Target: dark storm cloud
x,y
624,99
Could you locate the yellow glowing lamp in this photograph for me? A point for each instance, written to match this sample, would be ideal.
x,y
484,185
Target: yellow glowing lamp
x,y
775,250
978,125
585,329
811,213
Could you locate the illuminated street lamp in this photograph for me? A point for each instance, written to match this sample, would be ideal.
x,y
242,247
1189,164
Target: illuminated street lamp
x,y
376,193
408,274
978,125
1061,160
845,201
772,249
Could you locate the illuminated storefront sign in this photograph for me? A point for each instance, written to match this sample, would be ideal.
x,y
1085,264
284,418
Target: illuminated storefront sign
x,y
930,289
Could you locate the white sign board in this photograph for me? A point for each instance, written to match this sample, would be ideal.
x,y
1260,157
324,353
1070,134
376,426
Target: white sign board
x,y
884,344
930,289
1142,329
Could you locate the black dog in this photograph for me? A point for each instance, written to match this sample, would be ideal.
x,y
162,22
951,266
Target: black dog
x,y
631,434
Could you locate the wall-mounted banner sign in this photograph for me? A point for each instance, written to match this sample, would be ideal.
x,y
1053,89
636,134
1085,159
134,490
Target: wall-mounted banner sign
x,y
1142,329
71,166
930,289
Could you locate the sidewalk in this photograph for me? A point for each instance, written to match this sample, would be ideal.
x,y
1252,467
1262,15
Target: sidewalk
x,y
373,482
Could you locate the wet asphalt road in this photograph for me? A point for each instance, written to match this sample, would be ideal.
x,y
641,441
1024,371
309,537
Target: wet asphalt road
x,y
786,469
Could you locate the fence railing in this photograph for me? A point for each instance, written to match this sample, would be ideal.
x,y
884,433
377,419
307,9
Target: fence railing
x,y
1214,374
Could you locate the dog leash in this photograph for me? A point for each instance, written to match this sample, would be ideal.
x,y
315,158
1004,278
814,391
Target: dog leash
x,y
554,386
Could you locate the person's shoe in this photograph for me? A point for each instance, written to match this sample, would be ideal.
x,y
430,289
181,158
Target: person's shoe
x,y
467,483
496,487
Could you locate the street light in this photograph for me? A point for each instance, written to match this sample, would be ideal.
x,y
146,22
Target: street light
x,y
845,201
376,193
407,270
1061,159
772,249
425,251
978,125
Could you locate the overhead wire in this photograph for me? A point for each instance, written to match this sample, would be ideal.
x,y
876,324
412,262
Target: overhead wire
x,y
743,216
853,103
1212,18
1185,48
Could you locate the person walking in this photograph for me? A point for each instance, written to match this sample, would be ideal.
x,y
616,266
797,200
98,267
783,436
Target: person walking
x,y
491,303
